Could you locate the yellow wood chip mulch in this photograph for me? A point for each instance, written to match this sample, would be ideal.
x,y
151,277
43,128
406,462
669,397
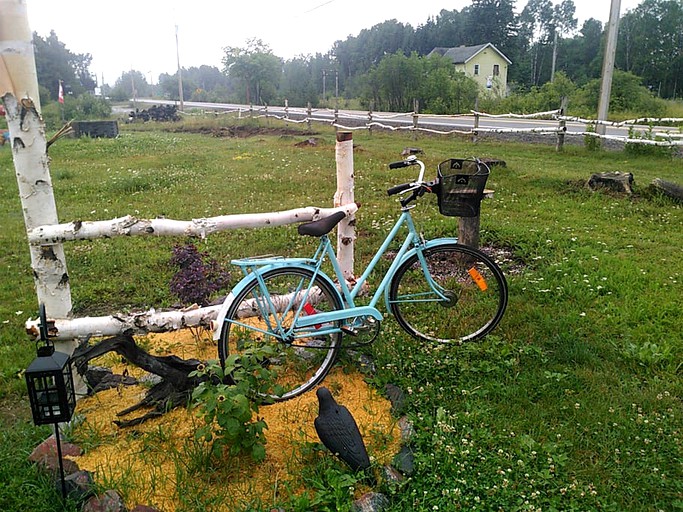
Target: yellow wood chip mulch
x,y
158,463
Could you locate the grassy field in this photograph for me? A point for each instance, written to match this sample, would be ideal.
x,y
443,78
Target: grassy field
x,y
573,403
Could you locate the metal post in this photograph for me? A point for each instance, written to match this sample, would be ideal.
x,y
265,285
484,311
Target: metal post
x,y
61,462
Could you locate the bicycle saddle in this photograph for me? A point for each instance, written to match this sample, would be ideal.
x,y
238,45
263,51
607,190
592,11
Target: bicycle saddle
x,y
322,226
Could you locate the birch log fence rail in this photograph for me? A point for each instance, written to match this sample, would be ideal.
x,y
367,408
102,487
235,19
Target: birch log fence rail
x,y
410,122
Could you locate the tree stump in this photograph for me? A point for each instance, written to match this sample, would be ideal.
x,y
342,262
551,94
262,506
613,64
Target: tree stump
x,y
174,389
669,189
614,181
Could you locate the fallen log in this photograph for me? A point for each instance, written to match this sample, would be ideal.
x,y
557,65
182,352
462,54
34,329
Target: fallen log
x,y
175,388
669,189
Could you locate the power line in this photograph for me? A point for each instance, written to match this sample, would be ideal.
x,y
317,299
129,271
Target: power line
x,y
319,6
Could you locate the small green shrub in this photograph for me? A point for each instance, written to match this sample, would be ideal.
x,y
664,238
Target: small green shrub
x,y
635,148
228,408
592,143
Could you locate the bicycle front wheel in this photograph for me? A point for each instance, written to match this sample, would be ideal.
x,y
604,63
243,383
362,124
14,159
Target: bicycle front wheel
x,y
455,294
263,314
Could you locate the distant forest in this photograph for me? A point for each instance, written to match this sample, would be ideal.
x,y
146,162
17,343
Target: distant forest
x,y
385,66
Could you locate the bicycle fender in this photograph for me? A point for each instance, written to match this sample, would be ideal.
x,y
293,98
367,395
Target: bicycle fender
x,y
217,327
428,244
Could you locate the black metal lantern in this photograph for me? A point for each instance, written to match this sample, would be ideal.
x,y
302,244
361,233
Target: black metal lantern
x,y
51,388
50,382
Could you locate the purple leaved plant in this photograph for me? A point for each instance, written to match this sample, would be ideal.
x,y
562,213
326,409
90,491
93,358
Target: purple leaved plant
x,y
198,275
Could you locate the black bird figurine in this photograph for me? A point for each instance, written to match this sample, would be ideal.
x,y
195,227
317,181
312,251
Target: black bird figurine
x,y
339,432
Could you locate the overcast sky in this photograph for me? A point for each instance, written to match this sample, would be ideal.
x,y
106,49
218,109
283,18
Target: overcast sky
x,y
141,34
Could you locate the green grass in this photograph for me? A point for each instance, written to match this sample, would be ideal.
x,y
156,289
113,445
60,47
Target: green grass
x,y
573,403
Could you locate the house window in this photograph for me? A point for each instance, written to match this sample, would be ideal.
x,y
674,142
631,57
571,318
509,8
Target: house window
x,y
476,69
496,70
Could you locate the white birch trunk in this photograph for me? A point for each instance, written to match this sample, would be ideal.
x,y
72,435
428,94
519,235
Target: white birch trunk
x,y
19,92
159,321
17,62
346,233
135,323
132,226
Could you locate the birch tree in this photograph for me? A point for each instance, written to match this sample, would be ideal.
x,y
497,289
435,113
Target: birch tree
x,y
19,92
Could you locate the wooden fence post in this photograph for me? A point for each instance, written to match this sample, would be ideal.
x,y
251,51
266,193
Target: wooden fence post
x,y
286,112
416,116
476,120
308,115
346,232
562,127
370,120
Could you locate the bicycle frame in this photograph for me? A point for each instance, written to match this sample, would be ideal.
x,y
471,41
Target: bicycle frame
x,y
325,323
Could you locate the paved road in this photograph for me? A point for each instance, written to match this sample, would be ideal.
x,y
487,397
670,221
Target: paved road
x,y
355,118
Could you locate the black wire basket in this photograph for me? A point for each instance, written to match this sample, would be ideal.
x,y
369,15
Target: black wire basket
x,y
461,185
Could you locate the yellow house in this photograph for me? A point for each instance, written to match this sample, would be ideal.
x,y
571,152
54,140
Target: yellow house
x,y
485,63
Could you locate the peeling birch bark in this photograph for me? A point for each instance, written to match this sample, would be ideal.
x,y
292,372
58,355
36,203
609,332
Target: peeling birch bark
x,y
134,323
17,62
155,321
346,233
19,92
132,226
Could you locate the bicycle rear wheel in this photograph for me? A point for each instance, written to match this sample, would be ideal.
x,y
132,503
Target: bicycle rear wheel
x,y
466,301
303,359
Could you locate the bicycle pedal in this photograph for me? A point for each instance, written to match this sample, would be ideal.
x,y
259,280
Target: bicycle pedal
x,y
349,330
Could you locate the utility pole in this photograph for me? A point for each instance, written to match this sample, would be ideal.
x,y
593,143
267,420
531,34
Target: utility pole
x,y
180,72
608,65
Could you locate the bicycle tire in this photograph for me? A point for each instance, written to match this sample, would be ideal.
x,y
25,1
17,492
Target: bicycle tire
x,y
475,287
299,364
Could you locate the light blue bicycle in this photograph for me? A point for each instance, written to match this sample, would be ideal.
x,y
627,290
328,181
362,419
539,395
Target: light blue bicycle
x,y
437,290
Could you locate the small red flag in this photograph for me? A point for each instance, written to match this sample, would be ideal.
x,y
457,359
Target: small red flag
x,y
61,93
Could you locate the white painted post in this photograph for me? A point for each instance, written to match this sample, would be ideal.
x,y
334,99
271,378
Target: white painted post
x,y
19,92
346,231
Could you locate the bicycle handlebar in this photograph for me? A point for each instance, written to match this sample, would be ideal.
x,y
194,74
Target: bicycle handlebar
x,y
399,188
398,165
418,187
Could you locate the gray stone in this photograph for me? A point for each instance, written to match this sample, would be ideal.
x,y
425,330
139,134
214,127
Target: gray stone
x,y
397,398
407,429
392,476
371,502
79,485
110,501
404,461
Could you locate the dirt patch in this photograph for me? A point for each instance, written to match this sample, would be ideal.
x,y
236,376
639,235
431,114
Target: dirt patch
x,y
241,131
